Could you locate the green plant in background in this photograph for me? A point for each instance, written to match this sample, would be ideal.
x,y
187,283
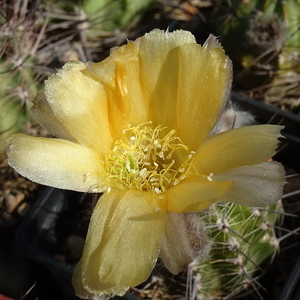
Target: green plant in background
x,y
243,239
251,32
13,111
18,78
285,88
262,37
109,15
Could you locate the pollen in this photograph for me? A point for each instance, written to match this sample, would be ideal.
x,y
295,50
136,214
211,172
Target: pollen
x,y
148,158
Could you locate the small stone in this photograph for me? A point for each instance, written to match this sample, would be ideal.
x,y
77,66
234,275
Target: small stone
x,y
11,202
23,208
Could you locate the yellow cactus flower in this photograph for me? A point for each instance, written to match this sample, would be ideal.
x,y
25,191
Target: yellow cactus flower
x,y
136,127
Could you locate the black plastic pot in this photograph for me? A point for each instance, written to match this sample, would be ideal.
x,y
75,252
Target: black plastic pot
x,y
291,290
45,229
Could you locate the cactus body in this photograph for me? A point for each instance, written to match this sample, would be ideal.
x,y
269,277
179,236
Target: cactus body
x,y
243,238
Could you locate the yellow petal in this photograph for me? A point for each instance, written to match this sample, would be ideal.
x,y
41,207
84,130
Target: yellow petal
x,y
122,243
154,78
176,250
84,293
159,72
185,241
204,84
195,194
80,104
55,162
120,76
188,84
247,145
155,48
258,185
135,83
43,114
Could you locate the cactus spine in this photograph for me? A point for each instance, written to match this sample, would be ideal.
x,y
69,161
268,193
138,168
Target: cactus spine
x,y
242,239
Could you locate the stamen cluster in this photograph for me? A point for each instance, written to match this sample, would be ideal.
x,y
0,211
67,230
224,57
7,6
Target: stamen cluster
x,y
146,159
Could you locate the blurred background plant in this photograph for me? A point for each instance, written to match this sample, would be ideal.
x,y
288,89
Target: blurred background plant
x,y
263,39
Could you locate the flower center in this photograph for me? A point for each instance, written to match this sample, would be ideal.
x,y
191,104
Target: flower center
x,y
147,159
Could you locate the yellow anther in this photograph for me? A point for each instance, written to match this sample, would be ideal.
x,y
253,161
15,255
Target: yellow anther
x,y
144,159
